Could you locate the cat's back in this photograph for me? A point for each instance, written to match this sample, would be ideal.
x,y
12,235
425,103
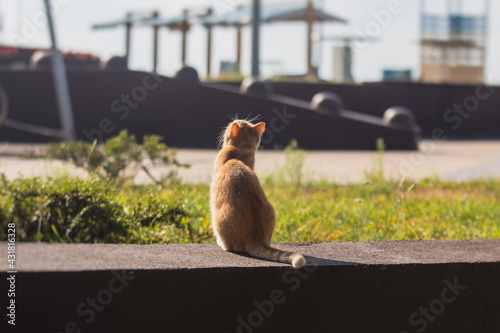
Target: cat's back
x,y
234,182
237,196
233,173
228,166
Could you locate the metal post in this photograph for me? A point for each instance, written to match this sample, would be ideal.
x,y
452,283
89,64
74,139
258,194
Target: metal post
x,y
320,45
445,73
60,83
422,37
128,29
185,28
155,42
487,17
255,38
310,21
348,63
238,49
209,51
209,45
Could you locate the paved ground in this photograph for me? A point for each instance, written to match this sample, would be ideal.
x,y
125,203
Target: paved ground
x,y
91,257
455,160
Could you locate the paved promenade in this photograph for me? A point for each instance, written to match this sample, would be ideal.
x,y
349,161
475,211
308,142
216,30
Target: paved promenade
x,y
454,160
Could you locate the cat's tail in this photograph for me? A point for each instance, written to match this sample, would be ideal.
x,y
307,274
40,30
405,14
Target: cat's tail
x,y
270,253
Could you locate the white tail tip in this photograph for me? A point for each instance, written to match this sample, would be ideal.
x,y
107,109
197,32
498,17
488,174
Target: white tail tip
x,y
298,261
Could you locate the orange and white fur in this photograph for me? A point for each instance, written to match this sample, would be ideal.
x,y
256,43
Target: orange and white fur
x,y
242,217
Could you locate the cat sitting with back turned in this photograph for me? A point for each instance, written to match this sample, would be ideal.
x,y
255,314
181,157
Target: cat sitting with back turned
x,y
242,217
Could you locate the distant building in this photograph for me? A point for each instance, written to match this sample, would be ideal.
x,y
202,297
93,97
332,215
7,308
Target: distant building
x,y
228,67
397,75
453,46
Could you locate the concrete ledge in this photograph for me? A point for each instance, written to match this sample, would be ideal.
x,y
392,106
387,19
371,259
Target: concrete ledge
x,y
400,286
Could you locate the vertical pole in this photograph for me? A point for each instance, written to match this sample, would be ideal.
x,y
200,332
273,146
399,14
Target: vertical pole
x,y
422,12
209,51
255,38
1,16
310,21
155,42
209,45
348,62
422,36
238,49
319,58
128,29
185,28
184,42
485,36
445,69
60,82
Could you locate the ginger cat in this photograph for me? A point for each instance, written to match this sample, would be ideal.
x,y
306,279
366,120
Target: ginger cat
x,y
242,217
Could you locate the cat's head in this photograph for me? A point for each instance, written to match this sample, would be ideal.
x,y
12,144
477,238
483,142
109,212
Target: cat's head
x,y
243,134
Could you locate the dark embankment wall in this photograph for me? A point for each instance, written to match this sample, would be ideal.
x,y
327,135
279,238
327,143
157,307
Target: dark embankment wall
x,y
462,111
432,104
399,286
186,115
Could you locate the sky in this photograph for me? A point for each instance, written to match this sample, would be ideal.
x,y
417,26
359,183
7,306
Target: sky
x,y
283,45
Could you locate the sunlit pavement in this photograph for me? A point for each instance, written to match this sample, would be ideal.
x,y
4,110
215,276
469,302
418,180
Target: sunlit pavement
x,y
453,160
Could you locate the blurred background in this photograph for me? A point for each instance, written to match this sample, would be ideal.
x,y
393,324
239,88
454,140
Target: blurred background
x,y
393,46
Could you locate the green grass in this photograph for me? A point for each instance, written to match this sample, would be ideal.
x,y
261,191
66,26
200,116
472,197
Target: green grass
x,y
430,209
109,208
66,209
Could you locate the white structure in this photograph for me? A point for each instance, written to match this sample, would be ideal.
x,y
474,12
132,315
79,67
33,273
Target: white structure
x,y
342,63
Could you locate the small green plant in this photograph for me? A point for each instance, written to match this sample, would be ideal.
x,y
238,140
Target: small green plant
x,y
377,174
120,157
292,171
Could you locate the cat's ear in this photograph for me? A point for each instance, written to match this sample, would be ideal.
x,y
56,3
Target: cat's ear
x,y
260,128
235,131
